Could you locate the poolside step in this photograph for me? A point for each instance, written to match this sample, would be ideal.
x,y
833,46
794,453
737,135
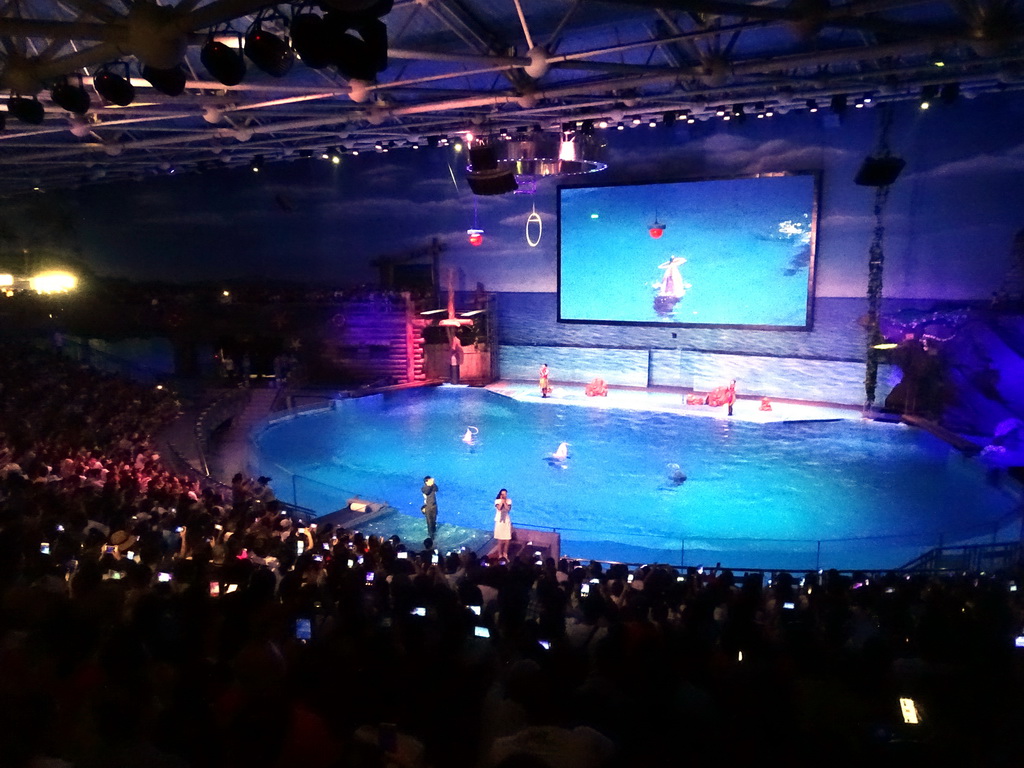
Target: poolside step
x,y
957,441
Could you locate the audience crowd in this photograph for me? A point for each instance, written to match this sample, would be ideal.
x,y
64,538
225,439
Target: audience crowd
x,y
148,621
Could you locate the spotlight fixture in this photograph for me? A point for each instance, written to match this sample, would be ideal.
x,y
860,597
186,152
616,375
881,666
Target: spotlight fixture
x,y
71,96
311,40
170,82
928,95
26,110
636,120
738,113
225,64
602,123
268,52
812,105
668,118
838,104
112,87
361,55
256,164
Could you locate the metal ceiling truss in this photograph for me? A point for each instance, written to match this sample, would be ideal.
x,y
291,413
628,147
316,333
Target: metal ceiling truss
x,y
491,66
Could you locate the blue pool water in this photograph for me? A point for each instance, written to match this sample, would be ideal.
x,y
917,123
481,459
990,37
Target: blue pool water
x,y
846,494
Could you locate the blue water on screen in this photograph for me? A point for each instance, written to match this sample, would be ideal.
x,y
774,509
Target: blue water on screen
x,y
747,244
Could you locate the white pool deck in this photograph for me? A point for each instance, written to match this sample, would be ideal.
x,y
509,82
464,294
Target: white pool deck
x,y
672,401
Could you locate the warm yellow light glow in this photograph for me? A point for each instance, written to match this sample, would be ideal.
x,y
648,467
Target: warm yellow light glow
x,y
6,279
53,282
909,709
226,293
885,345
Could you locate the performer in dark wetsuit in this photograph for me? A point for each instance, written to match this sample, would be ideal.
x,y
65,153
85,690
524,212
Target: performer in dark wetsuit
x,y
429,508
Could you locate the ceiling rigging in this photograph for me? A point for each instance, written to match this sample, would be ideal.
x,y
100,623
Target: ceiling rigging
x,y
102,90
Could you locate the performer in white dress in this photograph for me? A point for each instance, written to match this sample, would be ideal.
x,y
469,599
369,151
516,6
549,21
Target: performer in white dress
x,y
503,522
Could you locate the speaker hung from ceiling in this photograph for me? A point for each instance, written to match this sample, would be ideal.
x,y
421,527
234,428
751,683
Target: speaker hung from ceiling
x,y
486,176
879,171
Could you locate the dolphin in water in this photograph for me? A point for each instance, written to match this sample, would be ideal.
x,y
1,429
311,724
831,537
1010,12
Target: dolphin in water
x,y
469,438
560,455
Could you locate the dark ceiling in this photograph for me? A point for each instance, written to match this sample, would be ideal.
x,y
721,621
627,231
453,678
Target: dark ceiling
x,y
487,66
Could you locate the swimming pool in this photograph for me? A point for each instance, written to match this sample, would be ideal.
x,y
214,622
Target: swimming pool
x,y
846,494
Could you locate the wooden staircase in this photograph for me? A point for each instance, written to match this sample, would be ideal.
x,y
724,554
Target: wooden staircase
x,y
379,340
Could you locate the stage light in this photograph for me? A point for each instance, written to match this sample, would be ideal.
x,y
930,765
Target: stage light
x,y
812,105
170,82
54,281
668,118
311,41
476,237
28,111
268,52
6,280
357,57
928,95
69,96
636,120
224,63
602,123
112,87
653,123
256,164
858,103
620,127
838,104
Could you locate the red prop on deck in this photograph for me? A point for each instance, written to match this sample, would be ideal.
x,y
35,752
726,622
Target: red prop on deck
x,y
597,388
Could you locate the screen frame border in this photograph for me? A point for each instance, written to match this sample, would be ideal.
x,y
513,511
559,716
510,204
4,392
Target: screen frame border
x,y
816,176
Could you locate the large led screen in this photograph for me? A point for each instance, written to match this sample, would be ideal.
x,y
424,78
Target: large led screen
x,y
735,252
